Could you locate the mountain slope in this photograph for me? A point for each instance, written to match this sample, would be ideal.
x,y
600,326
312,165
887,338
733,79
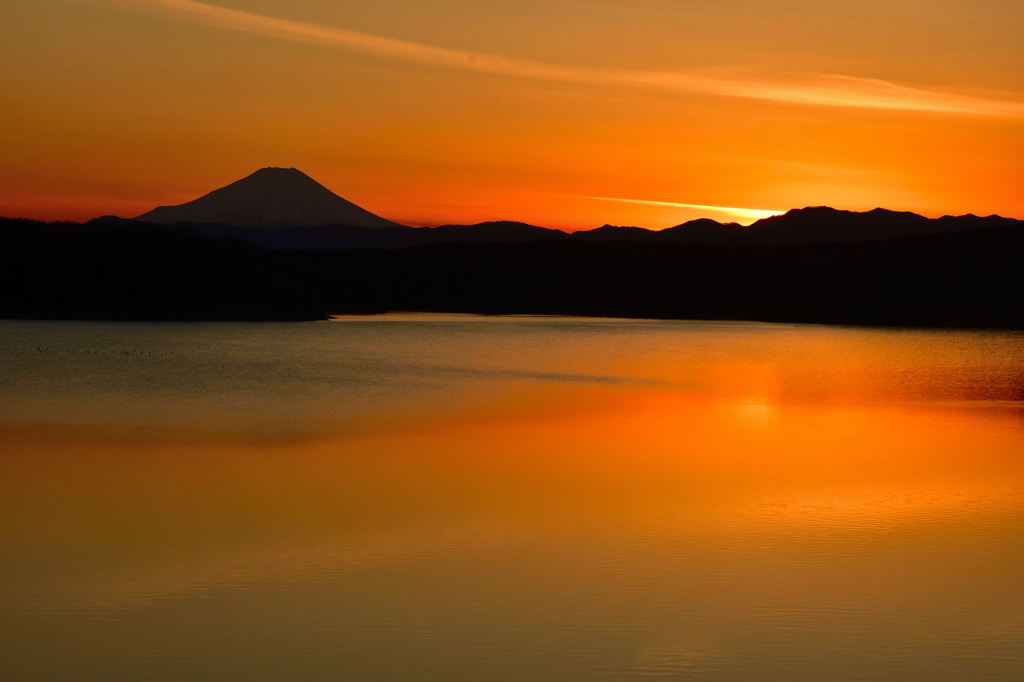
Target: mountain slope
x,y
270,198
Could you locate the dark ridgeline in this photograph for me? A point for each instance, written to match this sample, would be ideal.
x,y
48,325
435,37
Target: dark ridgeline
x,y
276,246
70,271
814,225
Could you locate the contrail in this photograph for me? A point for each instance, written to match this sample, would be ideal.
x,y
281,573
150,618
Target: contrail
x,y
829,90
749,213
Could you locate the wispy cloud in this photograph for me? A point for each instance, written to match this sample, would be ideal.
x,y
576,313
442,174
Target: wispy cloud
x,y
750,214
828,90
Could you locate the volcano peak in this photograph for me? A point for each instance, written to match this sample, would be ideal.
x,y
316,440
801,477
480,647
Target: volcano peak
x,y
270,198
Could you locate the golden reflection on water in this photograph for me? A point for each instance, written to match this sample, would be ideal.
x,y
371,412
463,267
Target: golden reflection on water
x,y
831,509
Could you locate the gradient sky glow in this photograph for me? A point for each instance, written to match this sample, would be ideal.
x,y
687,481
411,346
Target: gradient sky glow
x,y
562,113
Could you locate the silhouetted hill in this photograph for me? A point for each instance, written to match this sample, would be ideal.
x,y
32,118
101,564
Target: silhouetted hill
x,y
707,232
824,225
703,231
970,222
496,232
813,225
615,233
963,278
137,272
270,198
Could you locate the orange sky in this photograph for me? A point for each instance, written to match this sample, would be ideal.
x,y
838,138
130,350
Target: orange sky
x,y
562,113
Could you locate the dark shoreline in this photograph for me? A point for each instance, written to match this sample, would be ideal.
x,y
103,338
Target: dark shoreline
x,y
968,279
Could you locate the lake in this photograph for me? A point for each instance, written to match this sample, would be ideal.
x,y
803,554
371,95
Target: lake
x,y
434,497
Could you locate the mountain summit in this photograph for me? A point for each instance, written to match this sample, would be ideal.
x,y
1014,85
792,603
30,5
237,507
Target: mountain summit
x,y
270,198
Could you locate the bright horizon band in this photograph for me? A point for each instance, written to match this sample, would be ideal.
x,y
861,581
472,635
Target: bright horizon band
x,y
752,214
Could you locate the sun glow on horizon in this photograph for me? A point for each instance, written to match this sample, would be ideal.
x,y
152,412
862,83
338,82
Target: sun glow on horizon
x,y
749,214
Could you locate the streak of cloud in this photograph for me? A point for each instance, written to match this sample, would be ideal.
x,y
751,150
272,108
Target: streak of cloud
x,y
751,214
829,90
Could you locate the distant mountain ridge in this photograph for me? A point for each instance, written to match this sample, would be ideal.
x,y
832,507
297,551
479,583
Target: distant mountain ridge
x,y
815,225
811,225
283,208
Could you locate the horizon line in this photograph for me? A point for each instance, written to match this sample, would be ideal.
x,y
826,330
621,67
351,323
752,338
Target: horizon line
x,y
668,204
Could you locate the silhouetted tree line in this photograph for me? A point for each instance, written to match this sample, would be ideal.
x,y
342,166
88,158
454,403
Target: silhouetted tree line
x,y
72,271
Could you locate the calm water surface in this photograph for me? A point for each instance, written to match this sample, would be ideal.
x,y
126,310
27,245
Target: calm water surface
x,y
458,498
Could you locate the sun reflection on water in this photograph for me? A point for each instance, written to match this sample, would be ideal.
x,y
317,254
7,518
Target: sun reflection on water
x,y
560,500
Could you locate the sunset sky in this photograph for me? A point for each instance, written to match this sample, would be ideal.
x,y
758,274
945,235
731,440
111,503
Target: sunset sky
x,y
562,113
